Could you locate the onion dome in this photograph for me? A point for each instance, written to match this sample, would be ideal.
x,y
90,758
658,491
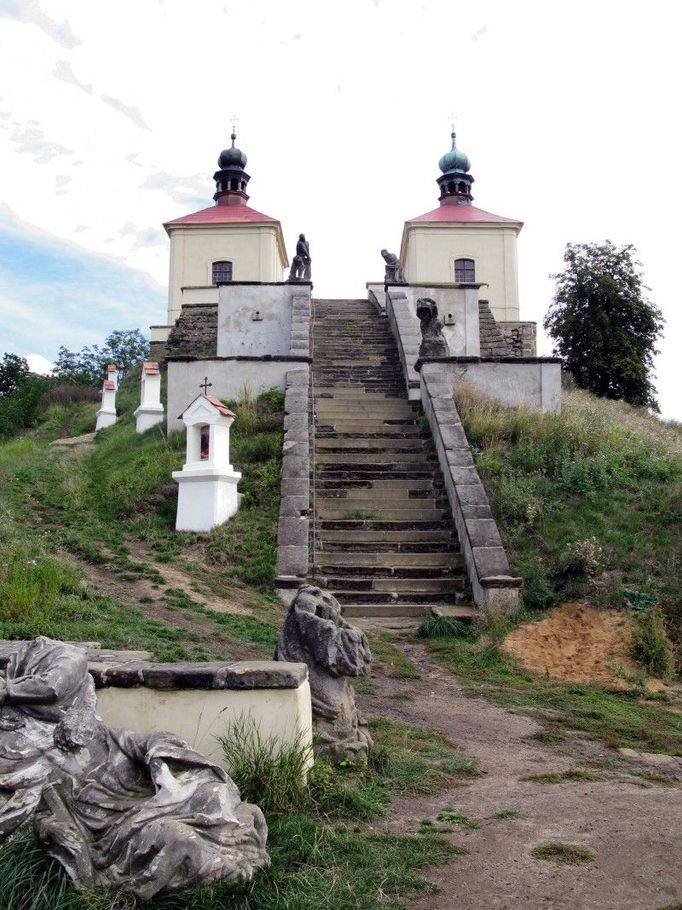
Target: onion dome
x,y
454,160
231,180
232,157
455,180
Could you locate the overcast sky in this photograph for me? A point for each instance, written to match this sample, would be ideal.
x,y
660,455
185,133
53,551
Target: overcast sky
x,y
112,116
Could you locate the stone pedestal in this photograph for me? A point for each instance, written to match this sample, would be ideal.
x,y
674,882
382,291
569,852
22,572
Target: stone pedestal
x,y
207,494
150,410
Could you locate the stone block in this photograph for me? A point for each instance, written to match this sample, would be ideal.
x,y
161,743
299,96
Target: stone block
x,y
298,421
483,532
464,475
460,457
297,379
472,494
490,561
453,436
295,486
475,511
293,506
292,531
292,560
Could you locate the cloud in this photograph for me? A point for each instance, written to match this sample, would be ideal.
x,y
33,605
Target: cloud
x,y
144,237
192,190
39,364
75,296
479,33
131,113
33,142
65,73
30,12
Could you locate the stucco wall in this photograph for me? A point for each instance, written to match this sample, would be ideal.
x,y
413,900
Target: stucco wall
x,y
256,251
535,383
239,333
229,376
429,251
201,715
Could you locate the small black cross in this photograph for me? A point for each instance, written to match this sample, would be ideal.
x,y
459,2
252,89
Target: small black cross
x,y
205,385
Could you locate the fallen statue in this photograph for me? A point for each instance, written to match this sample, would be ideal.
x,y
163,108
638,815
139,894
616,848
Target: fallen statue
x,y
141,812
315,633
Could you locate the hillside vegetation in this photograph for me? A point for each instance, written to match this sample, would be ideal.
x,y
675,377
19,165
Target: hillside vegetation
x,y
587,501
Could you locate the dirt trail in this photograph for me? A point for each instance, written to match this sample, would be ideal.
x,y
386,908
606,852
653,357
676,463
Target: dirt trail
x,y
635,830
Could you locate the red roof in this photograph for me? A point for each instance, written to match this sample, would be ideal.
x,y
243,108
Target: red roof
x,y
223,214
465,214
150,367
109,385
217,403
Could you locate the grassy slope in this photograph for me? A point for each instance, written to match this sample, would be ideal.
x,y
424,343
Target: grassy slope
x,y
588,502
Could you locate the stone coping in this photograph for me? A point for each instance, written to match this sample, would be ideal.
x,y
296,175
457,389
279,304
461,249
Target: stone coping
x,y
468,359
229,284
433,284
126,669
278,358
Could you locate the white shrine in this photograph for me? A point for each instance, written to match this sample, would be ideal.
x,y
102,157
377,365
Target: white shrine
x,y
106,416
150,410
112,375
207,483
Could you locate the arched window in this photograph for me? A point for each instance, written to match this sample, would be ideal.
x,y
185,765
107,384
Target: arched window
x,y
222,272
465,271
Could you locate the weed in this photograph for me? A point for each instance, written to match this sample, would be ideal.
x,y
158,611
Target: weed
x,y
570,854
456,818
444,627
654,778
560,777
504,814
549,737
392,661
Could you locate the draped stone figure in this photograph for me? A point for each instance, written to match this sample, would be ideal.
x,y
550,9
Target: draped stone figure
x,y
433,343
141,812
394,270
315,633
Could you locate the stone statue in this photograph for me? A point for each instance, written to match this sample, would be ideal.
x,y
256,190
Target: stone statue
x,y
433,343
316,634
143,813
300,264
394,270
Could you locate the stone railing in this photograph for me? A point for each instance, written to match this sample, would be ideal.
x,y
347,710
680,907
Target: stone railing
x,y
300,325
197,701
405,327
494,589
294,524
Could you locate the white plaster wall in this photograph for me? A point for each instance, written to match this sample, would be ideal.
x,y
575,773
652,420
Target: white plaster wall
x,y
256,251
229,377
429,251
201,715
239,334
459,306
535,385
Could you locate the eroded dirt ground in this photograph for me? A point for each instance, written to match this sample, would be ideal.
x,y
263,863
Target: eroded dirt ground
x,y
634,827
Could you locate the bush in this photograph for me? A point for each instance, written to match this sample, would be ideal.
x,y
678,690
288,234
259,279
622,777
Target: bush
x,y
444,627
650,646
20,408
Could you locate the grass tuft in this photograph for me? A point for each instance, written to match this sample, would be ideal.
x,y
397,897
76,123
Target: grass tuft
x,y
569,854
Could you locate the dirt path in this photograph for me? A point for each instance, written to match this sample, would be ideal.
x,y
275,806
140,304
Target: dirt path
x,y
635,829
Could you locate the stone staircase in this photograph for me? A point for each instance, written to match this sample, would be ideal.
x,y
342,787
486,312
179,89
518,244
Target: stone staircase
x,y
383,540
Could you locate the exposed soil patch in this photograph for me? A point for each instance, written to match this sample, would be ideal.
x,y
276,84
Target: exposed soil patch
x,y
633,825
577,643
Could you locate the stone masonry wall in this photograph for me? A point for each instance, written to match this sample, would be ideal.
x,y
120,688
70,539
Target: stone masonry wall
x,y
493,342
196,331
521,338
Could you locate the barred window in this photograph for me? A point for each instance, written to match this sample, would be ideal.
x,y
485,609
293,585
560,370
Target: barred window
x,y
465,271
222,272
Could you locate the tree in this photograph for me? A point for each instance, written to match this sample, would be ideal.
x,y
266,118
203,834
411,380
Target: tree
x,y
13,371
126,349
603,327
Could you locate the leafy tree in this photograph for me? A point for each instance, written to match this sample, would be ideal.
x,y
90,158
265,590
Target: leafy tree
x,y
13,371
126,349
603,327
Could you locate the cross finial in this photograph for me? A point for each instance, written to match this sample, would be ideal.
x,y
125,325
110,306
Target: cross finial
x,y
205,385
453,134
235,124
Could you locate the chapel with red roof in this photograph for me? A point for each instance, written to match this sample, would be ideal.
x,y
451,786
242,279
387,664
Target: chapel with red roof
x,y
226,242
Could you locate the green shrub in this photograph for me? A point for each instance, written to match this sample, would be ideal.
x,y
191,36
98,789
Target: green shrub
x,y
444,627
650,646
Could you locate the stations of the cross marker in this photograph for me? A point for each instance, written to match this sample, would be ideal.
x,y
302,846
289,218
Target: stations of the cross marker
x,y
205,385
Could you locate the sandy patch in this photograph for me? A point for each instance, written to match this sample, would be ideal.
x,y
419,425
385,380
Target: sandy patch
x,y
576,643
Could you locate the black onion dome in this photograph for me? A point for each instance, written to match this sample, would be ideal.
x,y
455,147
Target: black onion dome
x,y
232,157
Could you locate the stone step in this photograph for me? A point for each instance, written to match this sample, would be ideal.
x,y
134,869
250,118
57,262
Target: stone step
x,y
462,612
341,394
398,495
380,503
416,576
403,539
353,525
380,443
388,610
414,586
349,595
380,487
371,512
360,410
383,560
415,460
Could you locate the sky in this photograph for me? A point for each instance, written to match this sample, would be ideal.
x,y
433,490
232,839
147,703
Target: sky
x,y
112,117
